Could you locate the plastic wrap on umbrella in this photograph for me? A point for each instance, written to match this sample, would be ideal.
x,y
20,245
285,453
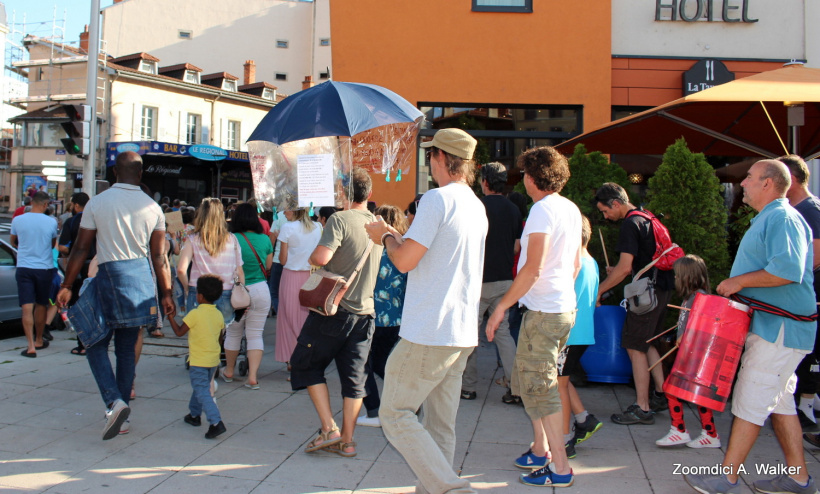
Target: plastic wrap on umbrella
x,y
388,149
276,172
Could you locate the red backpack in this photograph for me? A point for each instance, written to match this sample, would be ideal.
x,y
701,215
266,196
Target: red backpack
x,y
663,241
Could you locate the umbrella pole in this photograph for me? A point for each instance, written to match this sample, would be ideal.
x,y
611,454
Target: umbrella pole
x,y
774,128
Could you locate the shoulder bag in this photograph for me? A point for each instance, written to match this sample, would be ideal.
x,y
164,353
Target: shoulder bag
x,y
323,291
258,259
640,294
240,297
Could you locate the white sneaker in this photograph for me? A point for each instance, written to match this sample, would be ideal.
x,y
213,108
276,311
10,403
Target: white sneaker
x,y
673,438
704,440
114,418
125,428
366,421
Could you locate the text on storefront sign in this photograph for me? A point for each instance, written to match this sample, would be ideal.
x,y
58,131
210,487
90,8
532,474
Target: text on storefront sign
x,y
693,10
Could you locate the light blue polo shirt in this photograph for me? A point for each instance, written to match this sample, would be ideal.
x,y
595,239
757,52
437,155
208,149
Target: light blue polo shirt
x,y
779,242
35,234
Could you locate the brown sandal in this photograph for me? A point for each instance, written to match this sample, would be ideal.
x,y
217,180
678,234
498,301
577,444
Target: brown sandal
x,y
340,447
323,440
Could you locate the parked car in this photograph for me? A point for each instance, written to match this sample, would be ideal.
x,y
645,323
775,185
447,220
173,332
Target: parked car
x,y
9,305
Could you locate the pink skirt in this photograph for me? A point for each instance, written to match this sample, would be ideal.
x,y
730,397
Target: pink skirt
x,y
291,315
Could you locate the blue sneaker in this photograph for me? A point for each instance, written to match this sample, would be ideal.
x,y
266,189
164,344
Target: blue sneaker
x,y
529,461
786,484
544,477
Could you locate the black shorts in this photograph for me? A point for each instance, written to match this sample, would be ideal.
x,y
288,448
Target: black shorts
x,y
569,360
637,329
34,285
344,338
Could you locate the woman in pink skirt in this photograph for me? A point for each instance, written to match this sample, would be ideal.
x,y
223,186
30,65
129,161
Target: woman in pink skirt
x,y
299,237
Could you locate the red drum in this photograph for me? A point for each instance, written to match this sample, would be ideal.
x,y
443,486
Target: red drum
x,y
709,352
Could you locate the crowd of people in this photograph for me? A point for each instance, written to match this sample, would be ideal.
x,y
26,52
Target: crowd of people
x,y
420,283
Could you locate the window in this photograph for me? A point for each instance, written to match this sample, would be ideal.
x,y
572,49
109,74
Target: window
x,y
148,123
192,128
324,42
148,66
502,6
503,131
229,85
281,43
185,34
44,135
233,135
280,76
6,256
268,93
192,76
324,75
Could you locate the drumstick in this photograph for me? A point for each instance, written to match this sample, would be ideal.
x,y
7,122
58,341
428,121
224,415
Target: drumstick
x,y
603,246
661,334
677,307
665,355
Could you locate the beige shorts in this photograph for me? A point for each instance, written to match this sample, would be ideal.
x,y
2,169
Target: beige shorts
x,y
766,380
535,379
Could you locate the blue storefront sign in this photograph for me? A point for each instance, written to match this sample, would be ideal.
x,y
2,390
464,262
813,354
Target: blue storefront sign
x,y
204,152
207,152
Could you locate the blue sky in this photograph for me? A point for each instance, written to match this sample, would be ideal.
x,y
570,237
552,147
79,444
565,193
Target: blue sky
x,y
40,13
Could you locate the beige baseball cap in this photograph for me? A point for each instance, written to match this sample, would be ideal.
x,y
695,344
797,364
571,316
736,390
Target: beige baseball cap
x,y
453,141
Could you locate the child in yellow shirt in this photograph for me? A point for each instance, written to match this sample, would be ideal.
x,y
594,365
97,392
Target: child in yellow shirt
x,y
205,324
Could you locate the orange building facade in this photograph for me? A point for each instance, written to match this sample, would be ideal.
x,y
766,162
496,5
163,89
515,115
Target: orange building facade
x,y
538,75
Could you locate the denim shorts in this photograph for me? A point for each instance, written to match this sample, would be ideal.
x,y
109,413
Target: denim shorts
x,y
343,337
34,285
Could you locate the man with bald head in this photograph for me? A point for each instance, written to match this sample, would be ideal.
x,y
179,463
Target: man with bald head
x,y
129,230
773,265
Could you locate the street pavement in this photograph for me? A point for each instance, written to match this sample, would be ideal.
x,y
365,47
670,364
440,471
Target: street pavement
x,y
51,417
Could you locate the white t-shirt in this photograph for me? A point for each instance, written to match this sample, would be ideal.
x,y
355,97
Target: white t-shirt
x,y
276,226
560,219
443,291
300,244
124,217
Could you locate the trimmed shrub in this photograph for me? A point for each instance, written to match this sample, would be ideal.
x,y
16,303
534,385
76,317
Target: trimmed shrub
x,y
687,193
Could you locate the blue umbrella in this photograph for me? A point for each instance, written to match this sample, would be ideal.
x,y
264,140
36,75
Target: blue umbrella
x,y
333,109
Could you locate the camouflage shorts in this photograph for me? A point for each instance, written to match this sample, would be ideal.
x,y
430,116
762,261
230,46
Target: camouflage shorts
x,y
535,378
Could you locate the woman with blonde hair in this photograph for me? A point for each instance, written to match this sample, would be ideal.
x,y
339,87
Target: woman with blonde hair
x,y
210,249
298,237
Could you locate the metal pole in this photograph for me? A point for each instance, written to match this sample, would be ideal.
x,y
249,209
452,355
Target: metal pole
x,y
89,170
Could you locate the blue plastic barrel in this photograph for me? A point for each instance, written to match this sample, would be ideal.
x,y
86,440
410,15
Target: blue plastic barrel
x,y
606,361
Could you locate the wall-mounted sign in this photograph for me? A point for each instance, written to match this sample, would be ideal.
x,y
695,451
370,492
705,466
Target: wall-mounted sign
x,y
705,74
207,152
204,152
164,170
128,146
697,10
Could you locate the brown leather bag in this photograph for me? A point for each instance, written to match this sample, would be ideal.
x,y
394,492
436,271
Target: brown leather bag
x,y
323,290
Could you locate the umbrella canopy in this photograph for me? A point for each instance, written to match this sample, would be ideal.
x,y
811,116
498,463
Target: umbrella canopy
x,y
745,117
333,109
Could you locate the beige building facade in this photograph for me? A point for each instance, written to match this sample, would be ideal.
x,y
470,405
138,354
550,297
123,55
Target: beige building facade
x,y
288,39
177,117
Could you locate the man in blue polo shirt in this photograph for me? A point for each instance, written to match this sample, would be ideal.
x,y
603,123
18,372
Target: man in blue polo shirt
x,y
773,265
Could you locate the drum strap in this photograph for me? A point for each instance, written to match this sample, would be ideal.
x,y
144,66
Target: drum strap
x,y
771,309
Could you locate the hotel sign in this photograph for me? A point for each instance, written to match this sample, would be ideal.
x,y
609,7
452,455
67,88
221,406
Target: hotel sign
x,y
696,10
